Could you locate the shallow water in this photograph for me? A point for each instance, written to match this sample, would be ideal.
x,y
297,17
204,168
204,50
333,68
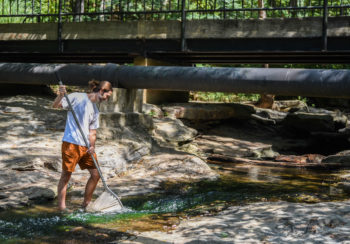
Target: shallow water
x,y
238,185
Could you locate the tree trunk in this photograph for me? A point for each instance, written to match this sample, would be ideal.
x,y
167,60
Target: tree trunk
x,y
78,8
262,13
102,9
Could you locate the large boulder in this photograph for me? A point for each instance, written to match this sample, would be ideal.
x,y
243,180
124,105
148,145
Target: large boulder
x,y
151,172
172,132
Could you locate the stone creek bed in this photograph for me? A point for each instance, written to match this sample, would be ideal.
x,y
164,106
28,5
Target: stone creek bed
x,y
140,160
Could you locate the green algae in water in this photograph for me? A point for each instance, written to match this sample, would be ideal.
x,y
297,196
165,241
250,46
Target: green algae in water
x,y
237,186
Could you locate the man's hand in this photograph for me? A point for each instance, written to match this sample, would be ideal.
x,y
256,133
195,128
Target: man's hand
x,y
91,150
62,90
60,94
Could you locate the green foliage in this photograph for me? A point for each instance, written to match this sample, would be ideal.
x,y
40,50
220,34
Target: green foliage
x,y
222,97
152,113
106,10
313,66
33,7
303,99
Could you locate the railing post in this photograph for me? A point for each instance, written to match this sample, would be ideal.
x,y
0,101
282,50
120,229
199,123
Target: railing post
x,y
183,26
59,27
325,25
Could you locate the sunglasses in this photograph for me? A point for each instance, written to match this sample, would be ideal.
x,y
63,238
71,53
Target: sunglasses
x,y
107,90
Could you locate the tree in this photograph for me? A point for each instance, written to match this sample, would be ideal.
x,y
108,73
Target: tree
x,y
78,8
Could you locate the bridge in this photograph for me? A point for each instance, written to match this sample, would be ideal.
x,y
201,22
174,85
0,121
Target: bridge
x,y
178,32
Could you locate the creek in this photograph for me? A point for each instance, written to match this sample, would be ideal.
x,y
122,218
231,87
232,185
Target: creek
x,y
238,185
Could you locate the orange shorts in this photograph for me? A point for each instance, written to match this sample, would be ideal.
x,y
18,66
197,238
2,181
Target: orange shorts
x,y
74,154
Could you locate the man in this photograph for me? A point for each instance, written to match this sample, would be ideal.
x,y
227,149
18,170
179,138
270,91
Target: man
x,y
74,150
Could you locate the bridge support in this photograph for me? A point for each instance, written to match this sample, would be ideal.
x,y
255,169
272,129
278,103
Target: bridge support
x,y
160,96
123,100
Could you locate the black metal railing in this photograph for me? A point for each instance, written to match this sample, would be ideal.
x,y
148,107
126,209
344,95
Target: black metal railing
x,y
20,11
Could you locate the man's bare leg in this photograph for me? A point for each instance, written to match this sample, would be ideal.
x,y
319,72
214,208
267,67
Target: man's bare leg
x,y
90,186
62,189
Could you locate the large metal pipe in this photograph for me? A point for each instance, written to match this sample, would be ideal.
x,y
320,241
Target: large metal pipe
x,y
289,82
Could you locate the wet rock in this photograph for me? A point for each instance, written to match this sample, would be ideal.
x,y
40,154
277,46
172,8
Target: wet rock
x,y
303,159
345,186
208,111
342,158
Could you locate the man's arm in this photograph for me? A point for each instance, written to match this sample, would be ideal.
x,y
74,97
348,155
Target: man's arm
x,y
92,140
57,103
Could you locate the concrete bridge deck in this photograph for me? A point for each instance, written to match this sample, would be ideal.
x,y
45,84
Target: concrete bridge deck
x,y
293,40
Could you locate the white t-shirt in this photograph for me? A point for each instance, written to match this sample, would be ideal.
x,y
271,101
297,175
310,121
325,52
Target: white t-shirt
x,y
87,114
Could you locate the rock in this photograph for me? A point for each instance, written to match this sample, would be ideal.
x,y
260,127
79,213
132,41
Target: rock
x,y
340,119
263,120
114,159
208,111
287,105
54,165
152,110
169,131
271,114
297,163
49,162
152,171
342,158
14,110
226,146
345,186
37,193
309,122
263,222
177,166
27,166
303,159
